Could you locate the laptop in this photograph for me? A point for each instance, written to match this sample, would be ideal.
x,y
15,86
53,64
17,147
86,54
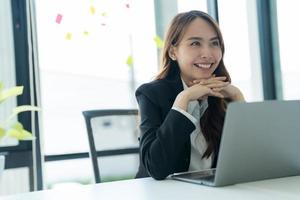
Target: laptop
x,y
260,140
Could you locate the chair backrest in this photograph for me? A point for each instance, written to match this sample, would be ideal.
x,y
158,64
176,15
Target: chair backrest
x,y
112,133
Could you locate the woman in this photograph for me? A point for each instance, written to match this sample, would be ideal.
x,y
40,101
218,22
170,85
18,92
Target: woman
x,y
182,111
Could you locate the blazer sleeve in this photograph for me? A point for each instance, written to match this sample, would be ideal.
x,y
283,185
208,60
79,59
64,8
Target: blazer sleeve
x,y
163,141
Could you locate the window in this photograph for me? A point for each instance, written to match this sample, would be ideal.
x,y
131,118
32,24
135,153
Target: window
x,y
241,58
83,52
14,179
92,55
7,63
187,5
288,31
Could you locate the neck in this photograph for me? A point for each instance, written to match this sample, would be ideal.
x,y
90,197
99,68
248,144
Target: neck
x,y
187,82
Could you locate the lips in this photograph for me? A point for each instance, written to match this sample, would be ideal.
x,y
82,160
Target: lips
x,y
203,65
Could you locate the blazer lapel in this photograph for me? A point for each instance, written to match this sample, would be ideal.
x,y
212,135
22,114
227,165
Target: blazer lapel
x,y
176,87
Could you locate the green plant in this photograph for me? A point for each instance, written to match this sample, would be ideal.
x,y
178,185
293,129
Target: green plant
x,y
9,127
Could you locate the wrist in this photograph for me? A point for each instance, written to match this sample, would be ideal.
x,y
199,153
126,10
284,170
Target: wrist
x,y
238,97
181,101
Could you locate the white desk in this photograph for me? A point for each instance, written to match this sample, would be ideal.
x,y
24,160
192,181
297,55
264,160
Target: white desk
x,y
149,189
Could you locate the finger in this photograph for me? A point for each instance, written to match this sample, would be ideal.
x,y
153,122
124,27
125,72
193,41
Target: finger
x,y
214,79
203,97
217,85
218,89
196,81
199,81
216,94
191,83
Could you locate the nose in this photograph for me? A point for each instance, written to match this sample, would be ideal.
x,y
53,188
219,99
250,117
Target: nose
x,y
206,52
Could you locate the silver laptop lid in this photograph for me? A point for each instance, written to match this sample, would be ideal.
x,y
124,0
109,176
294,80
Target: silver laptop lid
x,y
260,141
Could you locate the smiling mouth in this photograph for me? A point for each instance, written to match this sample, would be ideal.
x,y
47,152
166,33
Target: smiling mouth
x,y
203,66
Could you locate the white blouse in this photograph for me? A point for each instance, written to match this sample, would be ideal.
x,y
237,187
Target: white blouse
x,y
198,142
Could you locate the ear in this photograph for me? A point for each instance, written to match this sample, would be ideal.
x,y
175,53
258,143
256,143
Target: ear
x,y
172,52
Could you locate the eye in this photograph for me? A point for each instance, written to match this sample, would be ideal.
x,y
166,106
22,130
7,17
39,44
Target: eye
x,y
216,43
195,43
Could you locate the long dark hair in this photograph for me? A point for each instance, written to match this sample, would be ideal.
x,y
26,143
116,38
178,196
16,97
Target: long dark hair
x,y
212,121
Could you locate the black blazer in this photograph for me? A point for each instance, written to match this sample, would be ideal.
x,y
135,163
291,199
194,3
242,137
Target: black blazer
x,y
165,145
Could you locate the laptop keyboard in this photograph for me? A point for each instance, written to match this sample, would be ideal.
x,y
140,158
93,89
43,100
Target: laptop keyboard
x,y
201,175
207,178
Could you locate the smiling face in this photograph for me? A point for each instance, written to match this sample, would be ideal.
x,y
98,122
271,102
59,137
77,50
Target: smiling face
x,y
198,53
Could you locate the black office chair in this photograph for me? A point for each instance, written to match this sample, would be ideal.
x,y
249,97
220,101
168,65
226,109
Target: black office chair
x,y
112,134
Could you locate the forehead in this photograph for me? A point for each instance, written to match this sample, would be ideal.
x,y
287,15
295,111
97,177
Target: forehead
x,y
199,28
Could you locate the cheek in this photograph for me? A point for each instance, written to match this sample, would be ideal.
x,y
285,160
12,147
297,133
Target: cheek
x,y
218,56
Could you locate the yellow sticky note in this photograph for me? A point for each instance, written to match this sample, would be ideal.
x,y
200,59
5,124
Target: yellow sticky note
x,y
2,132
129,61
92,10
86,33
159,42
69,36
1,86
14,91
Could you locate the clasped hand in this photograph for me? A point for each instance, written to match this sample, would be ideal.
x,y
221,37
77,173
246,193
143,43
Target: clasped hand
x,y
213,86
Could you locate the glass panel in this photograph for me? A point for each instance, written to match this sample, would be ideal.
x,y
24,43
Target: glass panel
x,y
118,167
288,31
7,65
68,172
241,58
85,63
187,5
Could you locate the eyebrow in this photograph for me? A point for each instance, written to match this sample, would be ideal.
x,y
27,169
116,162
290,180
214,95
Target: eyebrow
x,y
199,38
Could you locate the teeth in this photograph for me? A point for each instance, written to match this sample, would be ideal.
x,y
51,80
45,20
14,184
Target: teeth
x,y
206,66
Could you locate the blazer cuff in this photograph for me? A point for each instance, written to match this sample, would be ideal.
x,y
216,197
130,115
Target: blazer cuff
x,y
188,115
